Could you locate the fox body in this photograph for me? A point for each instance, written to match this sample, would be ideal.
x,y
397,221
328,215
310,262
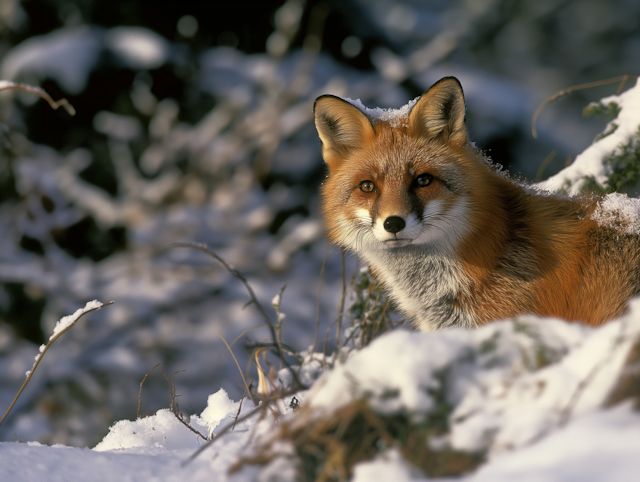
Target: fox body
x,y
454,241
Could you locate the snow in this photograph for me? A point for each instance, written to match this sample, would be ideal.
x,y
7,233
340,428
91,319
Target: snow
x,y
599,446
395,117
531,393
618,211
69,320
69,55
219,406
138,47
589,162
63,324
65,55
390,465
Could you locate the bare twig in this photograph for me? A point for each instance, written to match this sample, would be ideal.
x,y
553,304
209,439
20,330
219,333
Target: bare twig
x,y
240,405
265,403
43,351
246,385
241,335
237,274
6,85
140,392
544,165
184,422
175,408
341,309
279,321
569,90
324,263
172,388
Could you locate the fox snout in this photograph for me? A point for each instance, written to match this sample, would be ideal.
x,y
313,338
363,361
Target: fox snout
x,y
394,224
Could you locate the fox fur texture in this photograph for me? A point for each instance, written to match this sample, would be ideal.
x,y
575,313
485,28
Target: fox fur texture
x,y
454,241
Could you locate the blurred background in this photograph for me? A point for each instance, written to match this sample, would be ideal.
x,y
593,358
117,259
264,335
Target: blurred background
x,y
194,123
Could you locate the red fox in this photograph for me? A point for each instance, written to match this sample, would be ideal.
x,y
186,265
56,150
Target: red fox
x,y
455,241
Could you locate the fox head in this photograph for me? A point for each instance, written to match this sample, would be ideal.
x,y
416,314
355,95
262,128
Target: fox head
x,y
399,178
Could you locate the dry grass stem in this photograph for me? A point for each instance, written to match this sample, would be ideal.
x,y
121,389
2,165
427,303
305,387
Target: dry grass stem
x,y
8,85
237,274
175,408
320,281
569,90
244,380
328,447
44,350
235,420
262,407
140,392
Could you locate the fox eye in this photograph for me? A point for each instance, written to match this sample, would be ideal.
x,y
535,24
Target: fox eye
x,y
424,180
367,186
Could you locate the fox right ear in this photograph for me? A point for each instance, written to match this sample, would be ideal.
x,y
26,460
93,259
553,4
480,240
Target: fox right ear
x,y
342,127
439,113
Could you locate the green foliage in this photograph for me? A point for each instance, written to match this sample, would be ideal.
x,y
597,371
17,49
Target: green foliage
x,y
371,312
598,109
611,128
623,166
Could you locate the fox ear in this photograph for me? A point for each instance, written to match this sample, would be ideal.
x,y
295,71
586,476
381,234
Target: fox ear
x,y
440,112
342,128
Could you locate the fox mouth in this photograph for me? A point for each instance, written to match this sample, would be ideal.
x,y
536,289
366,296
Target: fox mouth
x,y
397,243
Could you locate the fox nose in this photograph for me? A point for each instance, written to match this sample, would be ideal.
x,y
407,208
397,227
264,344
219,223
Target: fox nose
x,y
394,224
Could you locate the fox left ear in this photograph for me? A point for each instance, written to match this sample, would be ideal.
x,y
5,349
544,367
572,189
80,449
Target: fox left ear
x,y
440,112
342,127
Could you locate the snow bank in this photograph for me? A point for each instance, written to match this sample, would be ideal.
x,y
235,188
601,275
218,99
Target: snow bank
x,y
589,162
507,385
532,394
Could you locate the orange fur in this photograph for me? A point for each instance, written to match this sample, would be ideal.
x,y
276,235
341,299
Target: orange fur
x,y
455,242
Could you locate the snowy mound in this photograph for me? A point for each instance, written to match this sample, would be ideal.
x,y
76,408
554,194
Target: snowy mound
x,y
535,399
620,134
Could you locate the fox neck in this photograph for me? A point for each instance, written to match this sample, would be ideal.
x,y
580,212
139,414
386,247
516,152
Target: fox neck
x,y
426,284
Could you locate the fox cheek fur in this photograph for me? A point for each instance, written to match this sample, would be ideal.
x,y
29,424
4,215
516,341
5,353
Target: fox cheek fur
x,y
455,242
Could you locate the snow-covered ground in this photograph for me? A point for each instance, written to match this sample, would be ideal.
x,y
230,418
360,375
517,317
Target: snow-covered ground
x,y
533,397
541,399
227,156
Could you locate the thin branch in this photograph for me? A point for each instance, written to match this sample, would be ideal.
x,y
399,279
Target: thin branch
x,y
6,85
44,350
240,405
183,422
544,165
140,392
569,90
341,309
240,336
230,425
324,263
239,369
237,274
279,320
175,408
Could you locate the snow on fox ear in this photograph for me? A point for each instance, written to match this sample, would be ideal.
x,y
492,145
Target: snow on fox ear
x,y
342,127
440,112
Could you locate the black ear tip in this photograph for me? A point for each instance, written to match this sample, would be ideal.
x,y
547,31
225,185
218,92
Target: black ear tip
x,y
450,82
325,96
